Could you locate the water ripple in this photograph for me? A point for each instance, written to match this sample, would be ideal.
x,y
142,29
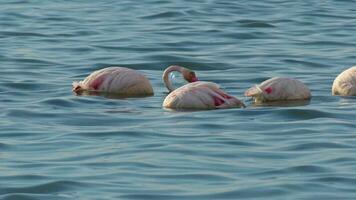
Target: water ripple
x,y
255,24
21,34
50,187
162,15
316,146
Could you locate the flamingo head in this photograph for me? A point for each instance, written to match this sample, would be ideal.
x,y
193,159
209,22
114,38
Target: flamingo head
x,y
258,93
189,75
77,88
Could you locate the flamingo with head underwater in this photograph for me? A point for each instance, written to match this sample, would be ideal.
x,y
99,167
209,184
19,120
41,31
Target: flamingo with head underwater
x,y
115,80
196,94
279,89
345,83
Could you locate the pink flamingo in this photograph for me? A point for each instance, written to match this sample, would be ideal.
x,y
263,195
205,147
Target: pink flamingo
x,y
117,80
279,89
196,94
345,83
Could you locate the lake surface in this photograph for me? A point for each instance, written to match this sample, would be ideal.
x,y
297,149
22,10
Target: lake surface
x,y
56,145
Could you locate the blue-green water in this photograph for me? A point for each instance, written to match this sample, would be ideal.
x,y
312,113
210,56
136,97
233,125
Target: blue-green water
x,y
55,145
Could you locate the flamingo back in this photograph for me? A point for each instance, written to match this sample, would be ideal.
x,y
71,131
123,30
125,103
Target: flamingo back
x,y
345,83
200,95
118,80
279,88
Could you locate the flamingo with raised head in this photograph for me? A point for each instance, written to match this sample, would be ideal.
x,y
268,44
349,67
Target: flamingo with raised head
x,y
117,80
279,89
345,83
196,94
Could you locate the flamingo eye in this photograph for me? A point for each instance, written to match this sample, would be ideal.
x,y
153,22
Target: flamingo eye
x,y
268,90
192,77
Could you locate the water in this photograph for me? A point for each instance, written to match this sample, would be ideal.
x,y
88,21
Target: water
x,y
55,145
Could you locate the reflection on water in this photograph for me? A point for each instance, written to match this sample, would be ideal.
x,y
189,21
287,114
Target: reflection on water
x,y
289,103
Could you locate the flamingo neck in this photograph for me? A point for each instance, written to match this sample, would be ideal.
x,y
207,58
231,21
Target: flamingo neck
x,y
166,73
260,93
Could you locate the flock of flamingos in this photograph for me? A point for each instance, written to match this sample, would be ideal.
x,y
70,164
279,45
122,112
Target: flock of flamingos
x,y
201,94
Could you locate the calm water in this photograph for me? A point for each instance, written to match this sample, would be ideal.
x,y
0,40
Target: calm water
x,y
55,145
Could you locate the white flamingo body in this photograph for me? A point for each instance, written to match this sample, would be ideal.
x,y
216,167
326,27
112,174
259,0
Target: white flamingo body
x,y
345,83
200,95
196,94
118,80
279,89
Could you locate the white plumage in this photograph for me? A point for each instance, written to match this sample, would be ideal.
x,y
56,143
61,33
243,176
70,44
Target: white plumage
x,y
279,89
200,95
345,83
118,80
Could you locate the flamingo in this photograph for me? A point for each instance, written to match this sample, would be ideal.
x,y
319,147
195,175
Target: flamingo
x,y
117,80
345,83
196,94
279,89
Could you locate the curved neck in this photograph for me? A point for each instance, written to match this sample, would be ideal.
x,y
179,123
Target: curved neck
x,y
166,73
260,93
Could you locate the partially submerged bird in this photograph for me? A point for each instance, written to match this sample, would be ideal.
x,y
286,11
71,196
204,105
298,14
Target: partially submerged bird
x,y
345,83
279,89
116,80
196,94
